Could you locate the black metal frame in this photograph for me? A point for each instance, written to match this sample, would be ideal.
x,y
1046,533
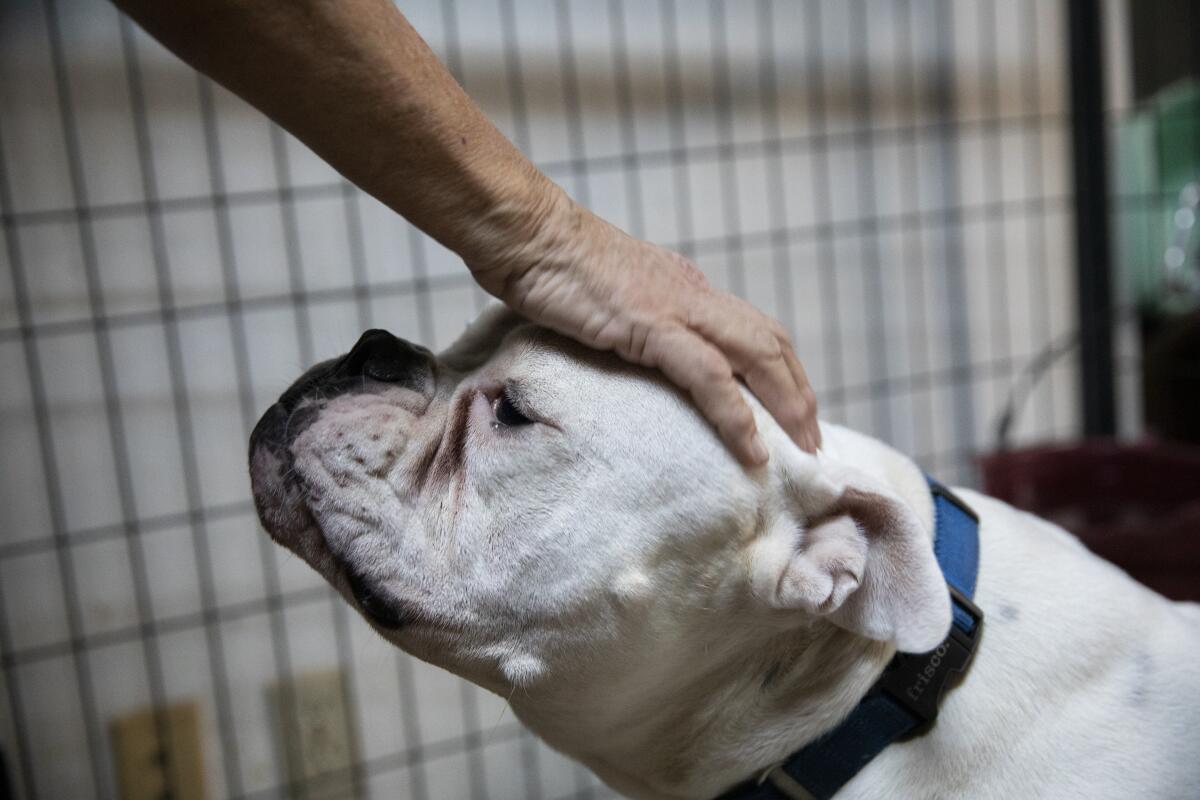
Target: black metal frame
x,y
1093,254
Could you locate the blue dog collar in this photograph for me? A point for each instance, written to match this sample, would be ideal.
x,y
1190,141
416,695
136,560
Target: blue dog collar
x,y
905,698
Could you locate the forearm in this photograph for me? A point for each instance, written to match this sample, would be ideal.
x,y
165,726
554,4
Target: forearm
x,y
356,83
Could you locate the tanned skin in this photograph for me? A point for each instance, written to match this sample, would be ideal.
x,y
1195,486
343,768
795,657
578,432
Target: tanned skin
x,y
357,84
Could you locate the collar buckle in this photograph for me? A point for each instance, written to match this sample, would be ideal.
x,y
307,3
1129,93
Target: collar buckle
x,y
969,637
916,680
783,783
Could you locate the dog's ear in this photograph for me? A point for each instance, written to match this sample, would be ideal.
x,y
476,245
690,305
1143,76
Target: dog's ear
x,y
846,548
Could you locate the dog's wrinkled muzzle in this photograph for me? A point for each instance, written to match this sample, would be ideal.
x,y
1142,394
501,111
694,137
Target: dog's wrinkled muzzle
x,y
377,364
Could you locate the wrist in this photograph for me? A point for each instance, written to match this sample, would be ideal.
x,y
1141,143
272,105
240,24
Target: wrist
x,y
531,225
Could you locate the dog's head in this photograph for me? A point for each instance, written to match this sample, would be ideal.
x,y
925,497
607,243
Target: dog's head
x,y
526,512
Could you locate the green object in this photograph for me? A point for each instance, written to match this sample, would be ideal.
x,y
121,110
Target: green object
x,y
1158,157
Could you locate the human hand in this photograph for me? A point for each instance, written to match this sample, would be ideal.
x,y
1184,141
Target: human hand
x,y
590,281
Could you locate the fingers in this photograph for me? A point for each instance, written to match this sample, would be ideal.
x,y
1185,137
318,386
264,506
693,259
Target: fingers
x,y
808,399
759,350
769,376
654,307
702,371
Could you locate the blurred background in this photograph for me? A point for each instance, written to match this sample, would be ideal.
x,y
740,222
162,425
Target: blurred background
x,y
976,218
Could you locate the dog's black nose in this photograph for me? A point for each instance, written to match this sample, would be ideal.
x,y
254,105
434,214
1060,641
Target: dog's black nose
x,y
378,357
384,357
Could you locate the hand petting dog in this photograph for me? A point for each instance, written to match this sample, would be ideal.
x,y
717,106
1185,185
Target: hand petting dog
x,y
589,280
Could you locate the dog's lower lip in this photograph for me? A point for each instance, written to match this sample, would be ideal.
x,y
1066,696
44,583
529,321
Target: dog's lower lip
x,y
379,608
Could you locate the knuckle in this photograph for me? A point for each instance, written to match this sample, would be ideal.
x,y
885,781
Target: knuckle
x,y
774,352
740,422
690,272
809,400
766,345
794,416
714,368
665,341
658,338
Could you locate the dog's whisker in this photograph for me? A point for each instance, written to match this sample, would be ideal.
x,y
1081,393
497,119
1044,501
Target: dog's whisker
x,y
288,422
500,716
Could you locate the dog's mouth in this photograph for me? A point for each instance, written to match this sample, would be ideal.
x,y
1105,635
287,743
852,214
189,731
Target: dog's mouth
x,y
378,605
289,508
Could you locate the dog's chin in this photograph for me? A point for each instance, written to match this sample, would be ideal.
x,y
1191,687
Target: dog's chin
x,y
279,499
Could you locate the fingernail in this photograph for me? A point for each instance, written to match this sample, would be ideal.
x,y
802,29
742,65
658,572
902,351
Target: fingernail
x,y
758,450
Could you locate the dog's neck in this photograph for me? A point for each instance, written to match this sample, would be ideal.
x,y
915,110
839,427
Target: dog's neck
x,y
675,728
761,698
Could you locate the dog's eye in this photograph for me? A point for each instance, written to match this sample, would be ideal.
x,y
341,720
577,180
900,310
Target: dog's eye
x,y
507,414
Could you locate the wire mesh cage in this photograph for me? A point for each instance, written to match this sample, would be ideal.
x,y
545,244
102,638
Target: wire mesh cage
x,y
889,179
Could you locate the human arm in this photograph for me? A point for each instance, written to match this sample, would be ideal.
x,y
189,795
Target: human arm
x,y
357,84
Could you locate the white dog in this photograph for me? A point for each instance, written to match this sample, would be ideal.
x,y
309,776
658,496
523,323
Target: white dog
x,y
566,531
